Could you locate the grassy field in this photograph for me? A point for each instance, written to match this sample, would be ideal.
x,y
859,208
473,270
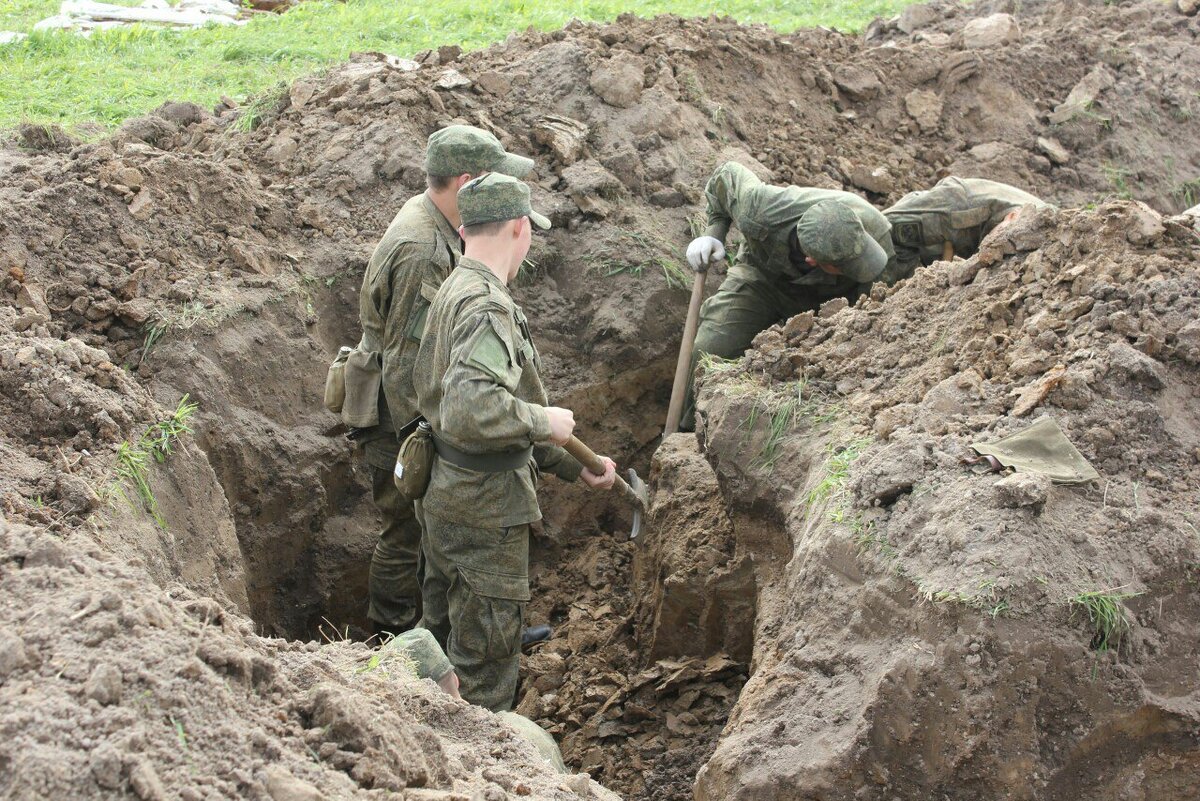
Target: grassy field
x,y
94,84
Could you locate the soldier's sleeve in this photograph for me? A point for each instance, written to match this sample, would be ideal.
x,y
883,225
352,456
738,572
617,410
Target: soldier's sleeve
x,y
725,192
556,461
479,409
410,283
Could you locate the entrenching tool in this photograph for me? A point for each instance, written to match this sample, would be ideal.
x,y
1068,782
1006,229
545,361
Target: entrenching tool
x,y
634,490
679,388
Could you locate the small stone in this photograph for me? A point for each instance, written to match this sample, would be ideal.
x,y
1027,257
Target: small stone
x,y
452,79
1146,225
31,296
145,782
131,177
494,83
12,654
619,80
28,320
924,106
1187,7
878,180
832,307
798,325
142,205
1083,94
1024,490
918,16
1053,150
992,31
667,199
858,83
104,685
283,786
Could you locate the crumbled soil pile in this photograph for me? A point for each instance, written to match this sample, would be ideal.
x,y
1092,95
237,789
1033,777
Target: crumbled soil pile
x,y
190,255
933,639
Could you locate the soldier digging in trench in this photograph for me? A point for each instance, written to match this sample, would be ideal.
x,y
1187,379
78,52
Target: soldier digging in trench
x,y
951,219
477,382
803,247
417,253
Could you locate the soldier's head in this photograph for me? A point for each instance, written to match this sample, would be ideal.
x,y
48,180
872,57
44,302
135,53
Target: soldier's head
x,y
428,658
497,221
457,153
830,236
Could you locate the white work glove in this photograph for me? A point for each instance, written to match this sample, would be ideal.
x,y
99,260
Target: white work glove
x,y
704,251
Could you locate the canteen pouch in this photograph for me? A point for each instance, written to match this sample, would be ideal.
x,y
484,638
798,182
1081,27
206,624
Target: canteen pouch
x,y
414,463
363,376
335,381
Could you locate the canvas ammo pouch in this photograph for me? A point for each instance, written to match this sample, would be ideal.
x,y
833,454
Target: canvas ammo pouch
x,y
414,463
335,381
363,377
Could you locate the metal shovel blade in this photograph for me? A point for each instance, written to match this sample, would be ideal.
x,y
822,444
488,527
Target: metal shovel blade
x,y
643,495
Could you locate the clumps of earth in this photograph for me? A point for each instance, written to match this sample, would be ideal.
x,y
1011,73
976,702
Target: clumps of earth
x,y
827,601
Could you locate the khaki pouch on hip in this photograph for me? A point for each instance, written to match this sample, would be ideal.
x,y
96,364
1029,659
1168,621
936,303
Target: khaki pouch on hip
x,y
363,378
335,381
414,463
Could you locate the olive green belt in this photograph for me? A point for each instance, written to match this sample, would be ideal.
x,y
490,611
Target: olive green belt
x,y
498,462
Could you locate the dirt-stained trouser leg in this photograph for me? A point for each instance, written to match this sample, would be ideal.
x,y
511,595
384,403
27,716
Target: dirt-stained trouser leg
x,y
745,304
393,583
485,573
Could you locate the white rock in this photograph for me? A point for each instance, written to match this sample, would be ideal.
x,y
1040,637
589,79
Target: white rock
x,y
1083,94
1054,150
998,29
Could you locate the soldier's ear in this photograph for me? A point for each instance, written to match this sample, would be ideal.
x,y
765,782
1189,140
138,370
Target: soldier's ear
x,y
462,181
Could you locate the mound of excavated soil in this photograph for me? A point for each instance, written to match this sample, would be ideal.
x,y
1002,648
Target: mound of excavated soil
x,y
924,642
182,256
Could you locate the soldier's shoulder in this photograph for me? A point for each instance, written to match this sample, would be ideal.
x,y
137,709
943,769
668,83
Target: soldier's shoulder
x,y
412,225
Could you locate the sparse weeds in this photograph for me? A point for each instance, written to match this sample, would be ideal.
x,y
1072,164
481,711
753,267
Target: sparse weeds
x,y
636,251
1106,611
1118,178
836,471
261,105
155,445
984,596
783,405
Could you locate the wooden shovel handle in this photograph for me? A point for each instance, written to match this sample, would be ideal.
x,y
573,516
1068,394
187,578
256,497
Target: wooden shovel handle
x,y
592,462
679,388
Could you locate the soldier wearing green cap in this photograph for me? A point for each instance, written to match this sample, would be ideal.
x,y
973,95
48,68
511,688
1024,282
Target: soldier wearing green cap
x,y
417,253
803,246
478,384
950,219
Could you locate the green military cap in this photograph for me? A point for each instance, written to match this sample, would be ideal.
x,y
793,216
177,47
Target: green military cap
x,y
831,233
422,648
458,149
495,197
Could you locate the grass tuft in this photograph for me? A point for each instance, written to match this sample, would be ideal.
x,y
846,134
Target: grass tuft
x,y
1107,613
155,445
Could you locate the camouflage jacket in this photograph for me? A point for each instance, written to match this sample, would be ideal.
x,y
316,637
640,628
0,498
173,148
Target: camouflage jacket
x,y
415,256
478,386
961,211
766,215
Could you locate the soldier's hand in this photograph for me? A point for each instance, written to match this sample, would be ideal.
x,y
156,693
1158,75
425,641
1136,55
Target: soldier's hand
x,y
602,482
562,424
704,251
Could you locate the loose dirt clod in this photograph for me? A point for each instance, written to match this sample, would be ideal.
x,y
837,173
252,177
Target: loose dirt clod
x,y
899,624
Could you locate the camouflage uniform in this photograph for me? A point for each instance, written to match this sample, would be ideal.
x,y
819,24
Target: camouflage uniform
x,y
770,281
415,256
478,386
961,211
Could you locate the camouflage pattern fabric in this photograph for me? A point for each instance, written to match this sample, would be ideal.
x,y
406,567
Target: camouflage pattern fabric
x,y
496,198
419,645
415,256
478,386
542,740
458,149
961,211
475,590
770,281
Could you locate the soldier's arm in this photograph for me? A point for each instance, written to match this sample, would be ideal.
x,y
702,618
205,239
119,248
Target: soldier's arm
x,y
480,411
410,269
556,461
725,192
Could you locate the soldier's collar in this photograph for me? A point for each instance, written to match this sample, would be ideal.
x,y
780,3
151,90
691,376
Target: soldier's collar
x,y
468,263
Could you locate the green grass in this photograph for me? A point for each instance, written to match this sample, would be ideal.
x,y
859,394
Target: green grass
x,y
1106,611
65,79
155,445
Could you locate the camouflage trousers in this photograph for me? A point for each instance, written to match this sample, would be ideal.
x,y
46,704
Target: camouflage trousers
x,y
745,303
394,583
474,593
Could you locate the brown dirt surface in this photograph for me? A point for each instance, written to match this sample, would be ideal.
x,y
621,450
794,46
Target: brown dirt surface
x,y
183,256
